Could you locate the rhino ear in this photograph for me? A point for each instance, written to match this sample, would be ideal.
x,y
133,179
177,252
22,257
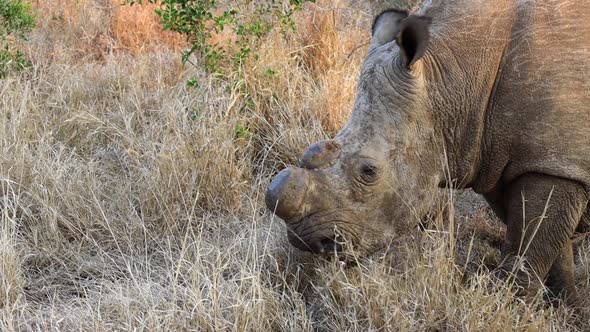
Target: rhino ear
x,y
413,38
386,25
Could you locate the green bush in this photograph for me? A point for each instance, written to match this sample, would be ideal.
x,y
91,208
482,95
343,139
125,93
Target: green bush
x,y
199,20
15,21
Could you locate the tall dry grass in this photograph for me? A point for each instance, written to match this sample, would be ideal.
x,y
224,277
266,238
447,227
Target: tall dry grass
x,y
130,202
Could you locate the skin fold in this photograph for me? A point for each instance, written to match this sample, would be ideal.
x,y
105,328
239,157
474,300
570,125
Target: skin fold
x,y
488,95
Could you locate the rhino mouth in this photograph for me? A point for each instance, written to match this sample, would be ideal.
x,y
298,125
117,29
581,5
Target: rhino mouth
x,y
311,234
317,244
319,236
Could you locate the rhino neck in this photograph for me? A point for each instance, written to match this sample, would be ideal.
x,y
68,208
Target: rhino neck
x,y
466,54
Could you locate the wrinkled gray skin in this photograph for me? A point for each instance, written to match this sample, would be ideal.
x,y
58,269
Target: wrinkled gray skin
x,y
494,95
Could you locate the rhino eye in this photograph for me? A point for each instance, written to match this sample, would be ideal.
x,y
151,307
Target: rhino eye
x,y
368,173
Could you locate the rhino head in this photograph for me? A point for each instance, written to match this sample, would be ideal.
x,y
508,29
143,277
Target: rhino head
x,y
374,180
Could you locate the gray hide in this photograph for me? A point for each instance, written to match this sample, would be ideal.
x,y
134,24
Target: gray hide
x,y
491,95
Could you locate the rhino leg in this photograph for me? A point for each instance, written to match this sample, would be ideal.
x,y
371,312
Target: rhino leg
x,y
584,225
542,215
497,201
560,279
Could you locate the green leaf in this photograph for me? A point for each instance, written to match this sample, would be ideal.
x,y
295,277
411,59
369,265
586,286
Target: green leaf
x,y
15,21
242,132
199,20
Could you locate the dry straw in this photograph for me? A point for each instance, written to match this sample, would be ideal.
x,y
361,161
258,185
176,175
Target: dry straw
x,y
128,202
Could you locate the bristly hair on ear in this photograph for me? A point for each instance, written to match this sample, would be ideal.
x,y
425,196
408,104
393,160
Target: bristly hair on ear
x,y
413,37
401,12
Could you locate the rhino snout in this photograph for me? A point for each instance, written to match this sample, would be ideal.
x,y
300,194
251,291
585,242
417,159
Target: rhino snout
x,y
286,193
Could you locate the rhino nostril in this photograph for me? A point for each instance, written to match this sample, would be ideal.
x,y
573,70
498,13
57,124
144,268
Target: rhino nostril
x,y
330,244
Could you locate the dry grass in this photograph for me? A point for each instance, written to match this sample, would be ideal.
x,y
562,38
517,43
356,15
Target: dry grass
x,y
334,51
94,29
129,202
138,30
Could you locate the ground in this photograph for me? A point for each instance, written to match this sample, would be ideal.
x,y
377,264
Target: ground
x,y
129,201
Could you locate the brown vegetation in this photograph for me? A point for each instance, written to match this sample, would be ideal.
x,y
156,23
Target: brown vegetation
x,y
131,202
